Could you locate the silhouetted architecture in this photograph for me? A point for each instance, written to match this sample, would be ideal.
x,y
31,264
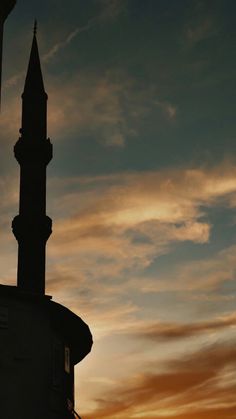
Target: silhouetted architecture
x,y
6,7
40,340
33,152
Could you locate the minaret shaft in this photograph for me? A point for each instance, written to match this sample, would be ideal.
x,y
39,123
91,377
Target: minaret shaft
x,y
35,111
32,191
33,152
31,266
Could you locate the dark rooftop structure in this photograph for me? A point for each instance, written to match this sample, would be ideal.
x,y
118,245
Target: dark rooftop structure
x,y
40,340
6,7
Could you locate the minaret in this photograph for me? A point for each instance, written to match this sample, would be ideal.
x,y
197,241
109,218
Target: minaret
x,y
33,152
6,7
41,341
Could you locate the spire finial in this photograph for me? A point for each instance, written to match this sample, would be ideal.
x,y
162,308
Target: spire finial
x,y
35,27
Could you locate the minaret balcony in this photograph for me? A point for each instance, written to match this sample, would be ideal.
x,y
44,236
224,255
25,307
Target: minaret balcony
x,y
33,152
31,228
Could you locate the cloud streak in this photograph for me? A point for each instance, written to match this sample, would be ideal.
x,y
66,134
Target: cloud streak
x,y
135,217
172,331
109,10
200,385
91,106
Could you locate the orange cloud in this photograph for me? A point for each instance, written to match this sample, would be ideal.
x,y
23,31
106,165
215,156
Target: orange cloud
x,y
126,221
172,331
201,385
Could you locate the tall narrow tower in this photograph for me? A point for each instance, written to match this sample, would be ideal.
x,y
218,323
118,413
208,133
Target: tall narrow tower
x,y
6,7
33,152
40,341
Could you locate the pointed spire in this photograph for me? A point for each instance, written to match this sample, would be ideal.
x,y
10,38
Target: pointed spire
x,y
34,111
34,79
35,27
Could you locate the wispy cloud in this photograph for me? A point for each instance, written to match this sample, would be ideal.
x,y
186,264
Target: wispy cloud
x,y
168,108
124,222
107,108
109,10
144,212
13,80
172,331
201,385
62,44
110,108
199,31
91,105
202,23
204,275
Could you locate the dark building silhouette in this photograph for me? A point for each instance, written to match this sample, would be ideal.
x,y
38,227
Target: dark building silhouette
x,y
33,152
6,7
40,340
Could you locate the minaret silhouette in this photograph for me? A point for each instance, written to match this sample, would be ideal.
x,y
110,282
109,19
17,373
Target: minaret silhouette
x,y
6,7
40,340
33,152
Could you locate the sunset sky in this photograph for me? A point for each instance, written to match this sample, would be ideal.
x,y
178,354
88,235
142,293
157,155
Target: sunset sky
x,y
142,193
